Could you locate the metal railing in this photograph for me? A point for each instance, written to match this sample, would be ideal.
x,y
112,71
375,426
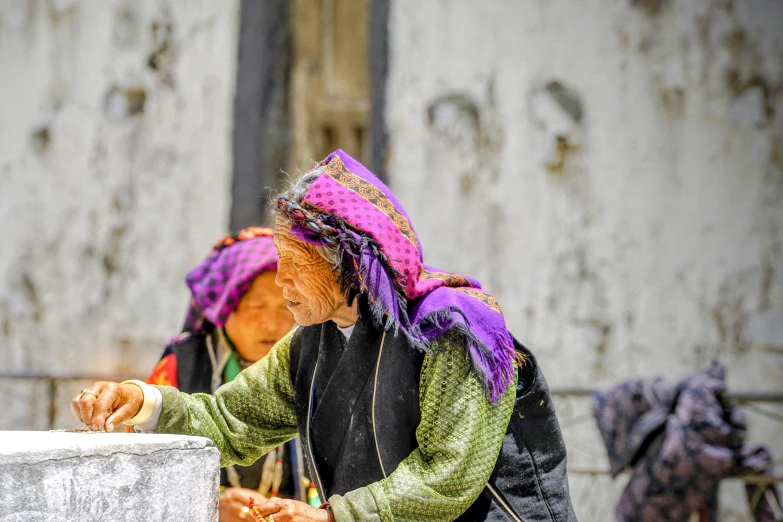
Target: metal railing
x,y
52,380
748,396
750,399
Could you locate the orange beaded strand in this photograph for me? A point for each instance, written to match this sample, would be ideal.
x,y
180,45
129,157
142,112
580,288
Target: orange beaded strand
x,y
254,511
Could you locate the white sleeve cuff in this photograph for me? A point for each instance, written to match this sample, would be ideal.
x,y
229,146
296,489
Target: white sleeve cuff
x,y
151,424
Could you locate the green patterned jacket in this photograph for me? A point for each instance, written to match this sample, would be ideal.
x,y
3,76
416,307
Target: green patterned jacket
x,y
459,436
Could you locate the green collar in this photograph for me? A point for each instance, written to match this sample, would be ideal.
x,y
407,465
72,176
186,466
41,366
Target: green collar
x,y
233,367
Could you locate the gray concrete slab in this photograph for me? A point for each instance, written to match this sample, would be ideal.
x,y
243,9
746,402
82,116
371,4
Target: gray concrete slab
x,y
100,476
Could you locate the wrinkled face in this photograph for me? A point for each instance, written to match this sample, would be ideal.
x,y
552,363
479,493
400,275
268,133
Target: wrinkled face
x,y
260,319
307,280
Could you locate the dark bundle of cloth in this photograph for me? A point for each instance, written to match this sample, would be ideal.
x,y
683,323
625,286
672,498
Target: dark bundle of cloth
x,y
680,440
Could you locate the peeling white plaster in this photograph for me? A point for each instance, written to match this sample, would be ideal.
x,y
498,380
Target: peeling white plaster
x,y
114,179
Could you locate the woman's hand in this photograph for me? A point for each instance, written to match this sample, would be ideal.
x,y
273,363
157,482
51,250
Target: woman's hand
x,y
109,404
287,510
233,504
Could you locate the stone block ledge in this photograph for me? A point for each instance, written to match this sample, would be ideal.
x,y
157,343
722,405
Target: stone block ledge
x,y
107,476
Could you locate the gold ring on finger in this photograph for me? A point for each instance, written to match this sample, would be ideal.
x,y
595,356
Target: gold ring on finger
x,y
89,392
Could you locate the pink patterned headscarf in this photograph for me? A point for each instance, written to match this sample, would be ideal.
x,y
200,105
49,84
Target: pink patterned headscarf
x,y
380,257
220,281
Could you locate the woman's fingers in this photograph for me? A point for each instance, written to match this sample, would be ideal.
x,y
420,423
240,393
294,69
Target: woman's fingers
x,y
233,504
128,399
231,510
103,404
271,506
106,404
233,501
287,510
93,405
84,404
122,413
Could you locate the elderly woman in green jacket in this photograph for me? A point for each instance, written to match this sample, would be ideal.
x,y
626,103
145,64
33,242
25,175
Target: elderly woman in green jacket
x,y
401,379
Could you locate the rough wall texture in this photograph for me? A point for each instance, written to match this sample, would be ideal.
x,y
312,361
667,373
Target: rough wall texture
x,y
90,476
115,169
613,171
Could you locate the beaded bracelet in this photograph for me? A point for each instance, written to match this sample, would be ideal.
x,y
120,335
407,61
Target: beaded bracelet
x,y
254,511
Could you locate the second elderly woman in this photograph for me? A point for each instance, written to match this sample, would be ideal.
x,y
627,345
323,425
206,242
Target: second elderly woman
x,y
236,315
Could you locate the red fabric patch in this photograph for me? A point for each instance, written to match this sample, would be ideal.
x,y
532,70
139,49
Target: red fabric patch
x,y
165,373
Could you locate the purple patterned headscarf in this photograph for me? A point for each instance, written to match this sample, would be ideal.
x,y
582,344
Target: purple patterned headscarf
x,y
220,281
380,257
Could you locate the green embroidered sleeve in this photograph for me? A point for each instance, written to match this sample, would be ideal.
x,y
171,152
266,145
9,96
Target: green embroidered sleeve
x,y
247,417
459,437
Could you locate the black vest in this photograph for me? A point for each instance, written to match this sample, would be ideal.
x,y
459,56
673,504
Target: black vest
x,y
357,410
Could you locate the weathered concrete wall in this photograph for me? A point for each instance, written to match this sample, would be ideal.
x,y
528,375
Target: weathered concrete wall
x,y
613,171
115,170
93,476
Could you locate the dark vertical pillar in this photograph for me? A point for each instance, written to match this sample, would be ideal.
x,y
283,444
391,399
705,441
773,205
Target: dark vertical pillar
x,y
261,122
378,59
